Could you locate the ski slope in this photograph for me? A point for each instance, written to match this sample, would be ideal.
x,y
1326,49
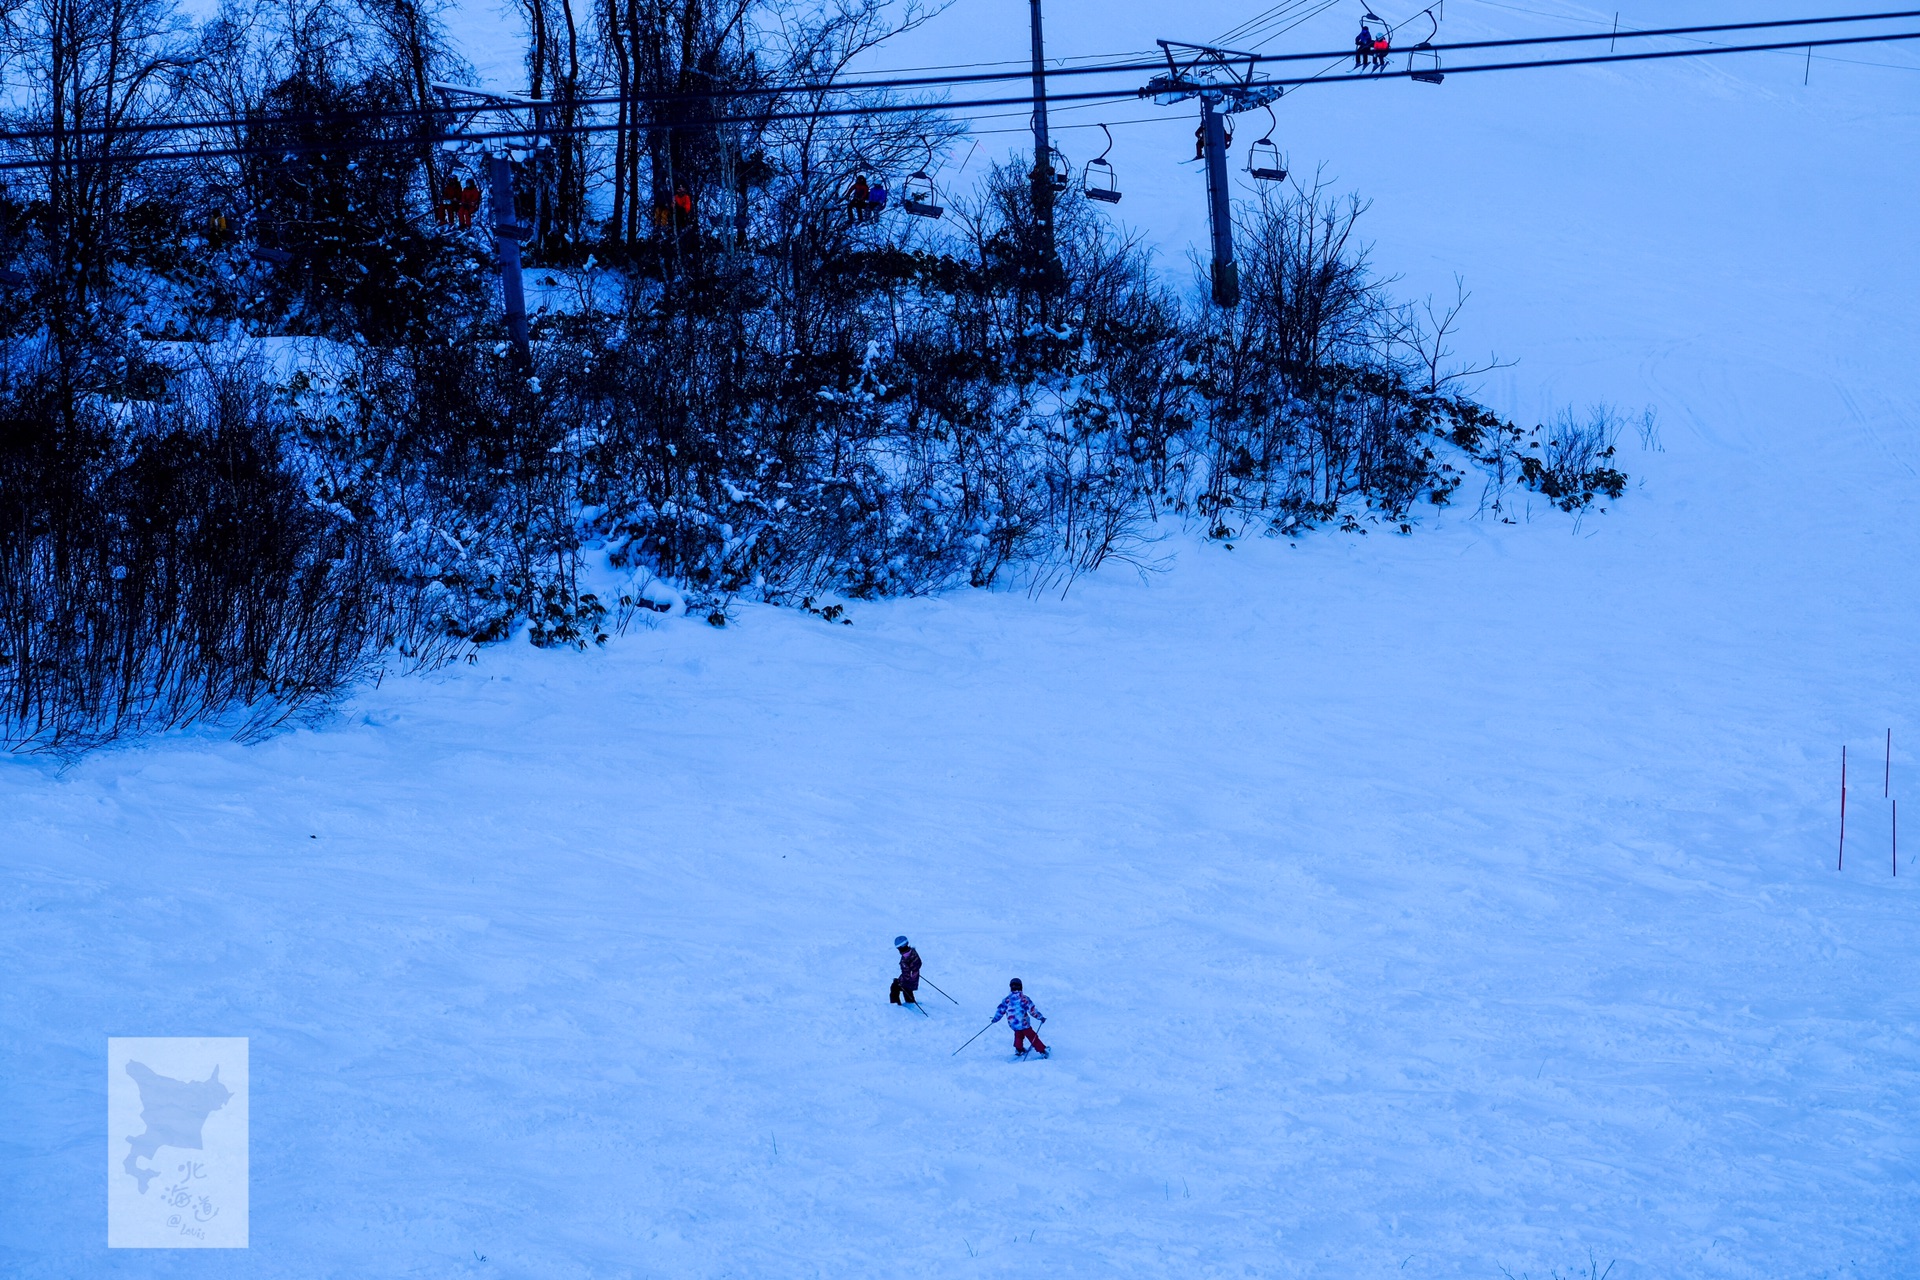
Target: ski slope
x,y
1401,906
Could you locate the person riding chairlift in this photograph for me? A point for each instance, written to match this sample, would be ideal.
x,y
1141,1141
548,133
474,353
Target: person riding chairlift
x,y
469,204
1382,46
1200,139
1362,47
858,197
876,197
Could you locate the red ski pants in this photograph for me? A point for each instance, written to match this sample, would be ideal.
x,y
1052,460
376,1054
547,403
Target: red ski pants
x,y
1025,1034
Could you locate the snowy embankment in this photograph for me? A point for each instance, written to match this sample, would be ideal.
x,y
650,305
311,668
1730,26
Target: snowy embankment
x,y
1400,906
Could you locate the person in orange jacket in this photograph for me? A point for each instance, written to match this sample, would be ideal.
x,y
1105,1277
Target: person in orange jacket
x,y
469,204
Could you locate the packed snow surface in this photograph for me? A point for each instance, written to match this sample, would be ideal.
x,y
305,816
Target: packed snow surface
x,y
1401,906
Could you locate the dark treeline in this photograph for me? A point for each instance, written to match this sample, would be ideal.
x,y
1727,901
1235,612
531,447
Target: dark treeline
x,y
261,432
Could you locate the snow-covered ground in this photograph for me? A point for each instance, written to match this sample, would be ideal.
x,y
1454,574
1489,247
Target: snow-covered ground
x,y
1401,906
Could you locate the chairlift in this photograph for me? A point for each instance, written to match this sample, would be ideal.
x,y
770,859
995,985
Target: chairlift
x,y
918,196
266,253
1098,179
1059,172
1423,64
1375,55
1263,157
1423,60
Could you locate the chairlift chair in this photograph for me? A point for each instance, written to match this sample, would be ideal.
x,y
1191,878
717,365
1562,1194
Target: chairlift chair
x,y
918,197
1263,162
1059,173
1263,157
1098,180
1423,64
261,251
1423,60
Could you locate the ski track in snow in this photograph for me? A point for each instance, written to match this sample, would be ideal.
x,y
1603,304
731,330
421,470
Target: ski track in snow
x,y
1401,906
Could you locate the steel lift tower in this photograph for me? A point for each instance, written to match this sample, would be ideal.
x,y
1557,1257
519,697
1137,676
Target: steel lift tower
x,y
1224,82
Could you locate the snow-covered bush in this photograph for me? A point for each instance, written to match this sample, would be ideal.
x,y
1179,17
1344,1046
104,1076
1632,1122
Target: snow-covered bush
x,y
745,387
168,563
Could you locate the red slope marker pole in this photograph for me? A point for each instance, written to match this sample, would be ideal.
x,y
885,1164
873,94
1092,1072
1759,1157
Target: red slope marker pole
x,y
1843,811
1896,837
1886,779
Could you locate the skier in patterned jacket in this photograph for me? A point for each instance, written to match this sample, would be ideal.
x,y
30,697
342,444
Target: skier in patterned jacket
x,y
909,980
1019,1013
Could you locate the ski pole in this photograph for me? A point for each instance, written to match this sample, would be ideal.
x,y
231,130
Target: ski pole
x,y
976,1035
929,983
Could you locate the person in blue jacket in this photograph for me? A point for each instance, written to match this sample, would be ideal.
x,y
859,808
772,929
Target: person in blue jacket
x,y
1021,1013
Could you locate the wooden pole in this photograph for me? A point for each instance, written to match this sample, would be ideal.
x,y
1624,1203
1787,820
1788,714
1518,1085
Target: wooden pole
x,y
1042,176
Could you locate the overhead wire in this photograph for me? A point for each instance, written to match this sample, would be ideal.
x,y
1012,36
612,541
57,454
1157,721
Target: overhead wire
x,y
1278,13
876,109
1542,13
895,83
947,108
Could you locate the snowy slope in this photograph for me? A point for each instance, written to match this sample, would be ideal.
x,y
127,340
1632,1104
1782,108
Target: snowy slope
x,y
1401,906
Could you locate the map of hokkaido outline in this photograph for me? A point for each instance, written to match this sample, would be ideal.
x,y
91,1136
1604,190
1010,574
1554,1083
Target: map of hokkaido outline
x,y
177,1142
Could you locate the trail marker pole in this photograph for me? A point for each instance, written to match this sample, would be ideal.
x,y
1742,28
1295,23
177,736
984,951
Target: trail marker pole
x,y
1886,780
1896,837
1843,811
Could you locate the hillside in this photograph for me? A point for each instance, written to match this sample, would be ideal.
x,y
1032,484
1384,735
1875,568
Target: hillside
x,y
1417,906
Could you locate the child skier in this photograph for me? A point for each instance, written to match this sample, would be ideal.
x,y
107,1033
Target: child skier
x,y
909,980
1017,1010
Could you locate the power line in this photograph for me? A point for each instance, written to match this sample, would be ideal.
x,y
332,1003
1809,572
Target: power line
x,y
840,88
880,109
1542,13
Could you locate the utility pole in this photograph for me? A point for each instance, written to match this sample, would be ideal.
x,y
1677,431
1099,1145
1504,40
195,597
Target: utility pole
x,y
507,235
1042,149
1224,82
1226,275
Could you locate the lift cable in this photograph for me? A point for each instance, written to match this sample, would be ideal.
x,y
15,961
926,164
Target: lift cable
x,y
509,136
842,88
